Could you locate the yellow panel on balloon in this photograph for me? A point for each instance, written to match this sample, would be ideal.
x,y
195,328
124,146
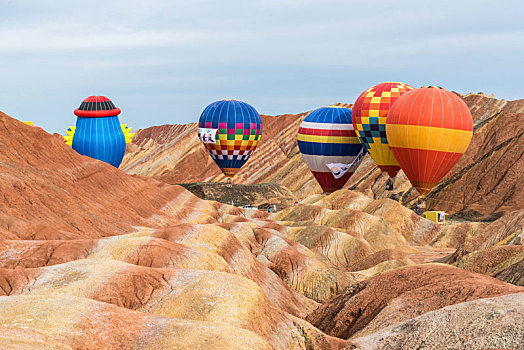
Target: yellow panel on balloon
x,y
369,120
383,155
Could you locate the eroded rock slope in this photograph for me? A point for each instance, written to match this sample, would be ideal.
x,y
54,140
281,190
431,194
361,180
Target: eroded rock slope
x,y
92,257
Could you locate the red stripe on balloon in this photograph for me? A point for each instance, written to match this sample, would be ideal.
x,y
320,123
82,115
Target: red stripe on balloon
x,y
328,182
425,165
97,114
324,132
97,99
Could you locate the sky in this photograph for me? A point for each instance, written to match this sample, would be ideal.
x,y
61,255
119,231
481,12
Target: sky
x,y
163,62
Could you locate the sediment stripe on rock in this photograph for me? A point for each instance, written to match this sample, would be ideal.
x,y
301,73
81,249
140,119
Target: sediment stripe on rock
x,y
72,322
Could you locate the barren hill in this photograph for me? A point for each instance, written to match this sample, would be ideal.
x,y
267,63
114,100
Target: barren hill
x,y
91,257
484,184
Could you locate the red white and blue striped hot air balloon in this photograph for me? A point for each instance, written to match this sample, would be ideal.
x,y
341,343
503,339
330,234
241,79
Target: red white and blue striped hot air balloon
x,y
230,130
330,146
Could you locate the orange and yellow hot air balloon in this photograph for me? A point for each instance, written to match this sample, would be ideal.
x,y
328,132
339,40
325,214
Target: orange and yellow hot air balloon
x,y
428,131
369,120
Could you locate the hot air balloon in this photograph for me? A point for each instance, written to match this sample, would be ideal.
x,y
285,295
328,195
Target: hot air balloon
x,y
230,130
369,120
98,133
329,146
428,131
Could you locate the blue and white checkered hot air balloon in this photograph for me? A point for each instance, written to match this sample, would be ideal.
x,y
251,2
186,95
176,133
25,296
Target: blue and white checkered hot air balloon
x,y
330,146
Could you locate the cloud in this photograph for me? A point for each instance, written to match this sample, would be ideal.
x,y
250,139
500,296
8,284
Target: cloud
x,y
51,39
174,57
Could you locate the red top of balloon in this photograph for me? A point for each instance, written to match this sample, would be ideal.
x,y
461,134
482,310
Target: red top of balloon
x,y
96,107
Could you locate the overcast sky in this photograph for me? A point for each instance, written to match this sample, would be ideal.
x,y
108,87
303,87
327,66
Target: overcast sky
x,y
162,62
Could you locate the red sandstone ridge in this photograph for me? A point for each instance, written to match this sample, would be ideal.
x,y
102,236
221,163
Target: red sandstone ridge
x,y
402,294
485,183
51,192
488,324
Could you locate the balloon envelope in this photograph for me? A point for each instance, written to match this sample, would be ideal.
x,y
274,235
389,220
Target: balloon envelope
x,y
326,138
239,128
428,131
98,133
369,119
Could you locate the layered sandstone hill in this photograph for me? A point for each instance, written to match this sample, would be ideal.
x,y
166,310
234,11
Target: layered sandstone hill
x,y
91,257
484,184
494,249
483,320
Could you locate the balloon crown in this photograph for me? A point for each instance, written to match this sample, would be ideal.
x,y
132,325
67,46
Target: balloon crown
x,y
96,107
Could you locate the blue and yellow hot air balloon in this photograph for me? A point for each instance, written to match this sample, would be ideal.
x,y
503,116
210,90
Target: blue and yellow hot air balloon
x,y
329,146
230,130
98,133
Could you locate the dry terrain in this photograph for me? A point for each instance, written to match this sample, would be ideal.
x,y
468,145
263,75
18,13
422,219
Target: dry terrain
x,y
93,257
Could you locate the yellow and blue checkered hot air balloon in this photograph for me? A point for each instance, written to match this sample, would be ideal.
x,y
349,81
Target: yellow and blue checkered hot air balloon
x,y
230,130
369,119
329,146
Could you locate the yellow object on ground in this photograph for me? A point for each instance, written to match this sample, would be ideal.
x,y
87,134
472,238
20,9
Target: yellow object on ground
x,y
71,133
437,216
